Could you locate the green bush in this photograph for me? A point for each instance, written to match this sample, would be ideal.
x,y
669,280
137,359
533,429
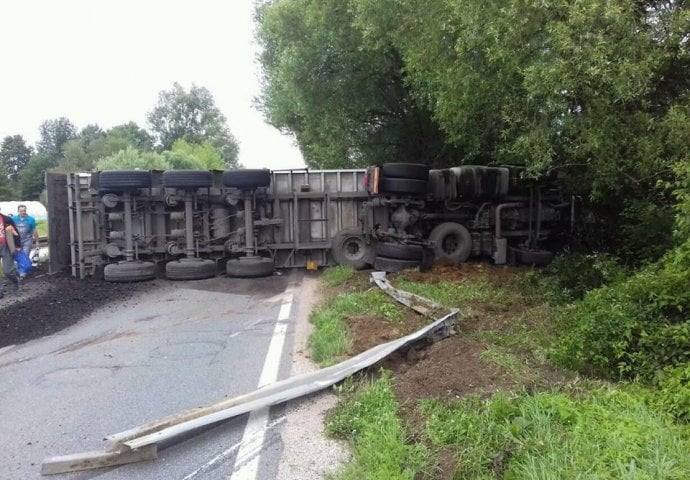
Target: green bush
x,y
673,387
571,277
645,233
632,328
640,326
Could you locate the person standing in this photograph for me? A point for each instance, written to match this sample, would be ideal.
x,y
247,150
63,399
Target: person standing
x,y
26,227
9,243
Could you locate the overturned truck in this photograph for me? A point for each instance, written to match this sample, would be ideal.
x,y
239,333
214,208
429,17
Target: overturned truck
x,y
133,225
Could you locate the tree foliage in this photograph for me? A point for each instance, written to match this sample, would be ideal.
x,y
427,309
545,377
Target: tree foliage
x,y
54,135
341,94
14,154
194,117
93,144
199,157
132,159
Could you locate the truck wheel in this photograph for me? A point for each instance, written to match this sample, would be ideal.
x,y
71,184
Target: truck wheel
x,y
538,258
134,271
250,178
404,186
187,179
249,267
397,250
393,265
121,180
412,171
349,248
190,269
452,242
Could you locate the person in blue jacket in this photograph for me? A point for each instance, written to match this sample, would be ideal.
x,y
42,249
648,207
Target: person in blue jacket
x,y
26,227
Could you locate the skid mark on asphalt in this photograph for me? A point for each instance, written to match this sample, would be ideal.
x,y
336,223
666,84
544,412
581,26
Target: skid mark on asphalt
x,y
77,376
188,350
94,341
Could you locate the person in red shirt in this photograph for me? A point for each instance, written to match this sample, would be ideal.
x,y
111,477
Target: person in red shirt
x,y
9,243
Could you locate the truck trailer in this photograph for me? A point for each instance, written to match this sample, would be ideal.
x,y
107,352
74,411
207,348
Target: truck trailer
x,y
134,225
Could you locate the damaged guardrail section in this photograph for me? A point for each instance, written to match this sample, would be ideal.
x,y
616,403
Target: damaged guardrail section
x,y
140,443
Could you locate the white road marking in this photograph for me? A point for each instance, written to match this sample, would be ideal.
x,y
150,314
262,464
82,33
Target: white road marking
x,y
227,452
247,460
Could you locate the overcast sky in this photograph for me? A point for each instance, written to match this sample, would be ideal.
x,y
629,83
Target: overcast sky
x,y
105,61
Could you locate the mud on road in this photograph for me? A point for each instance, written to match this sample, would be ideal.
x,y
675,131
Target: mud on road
x,y
49,303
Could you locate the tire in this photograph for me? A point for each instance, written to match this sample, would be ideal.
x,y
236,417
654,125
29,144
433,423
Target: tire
x,y
247,178
411,171
190,269
393,265
249,267
452,242
349,248
134,271
187,179
537,258
400,251
404,186
121,180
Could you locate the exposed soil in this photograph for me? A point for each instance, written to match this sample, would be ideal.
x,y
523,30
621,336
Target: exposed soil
x,y
49,303
453,367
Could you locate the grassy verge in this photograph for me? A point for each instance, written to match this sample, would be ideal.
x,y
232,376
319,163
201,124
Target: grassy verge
x,y
602,433
331,340
368,420
544,426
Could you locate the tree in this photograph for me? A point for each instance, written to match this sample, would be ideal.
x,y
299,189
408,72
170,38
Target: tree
x,y
185,155
192,116
133,159
14,154
130,134
32,179
93,144
54,135
340,93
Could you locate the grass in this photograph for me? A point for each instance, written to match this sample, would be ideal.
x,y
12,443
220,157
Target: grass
x,y
338,275
368,420
331,339
604,433
42,228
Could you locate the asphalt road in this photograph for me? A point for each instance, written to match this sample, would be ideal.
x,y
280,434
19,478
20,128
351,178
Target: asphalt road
x,y
182,345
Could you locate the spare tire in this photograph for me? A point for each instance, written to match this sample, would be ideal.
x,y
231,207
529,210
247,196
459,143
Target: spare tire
x,y
350,248
393,265
249,267
452,242
411,171
404,186
401,251
537,258
247,179
121,180
187,179
134,271
190,269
